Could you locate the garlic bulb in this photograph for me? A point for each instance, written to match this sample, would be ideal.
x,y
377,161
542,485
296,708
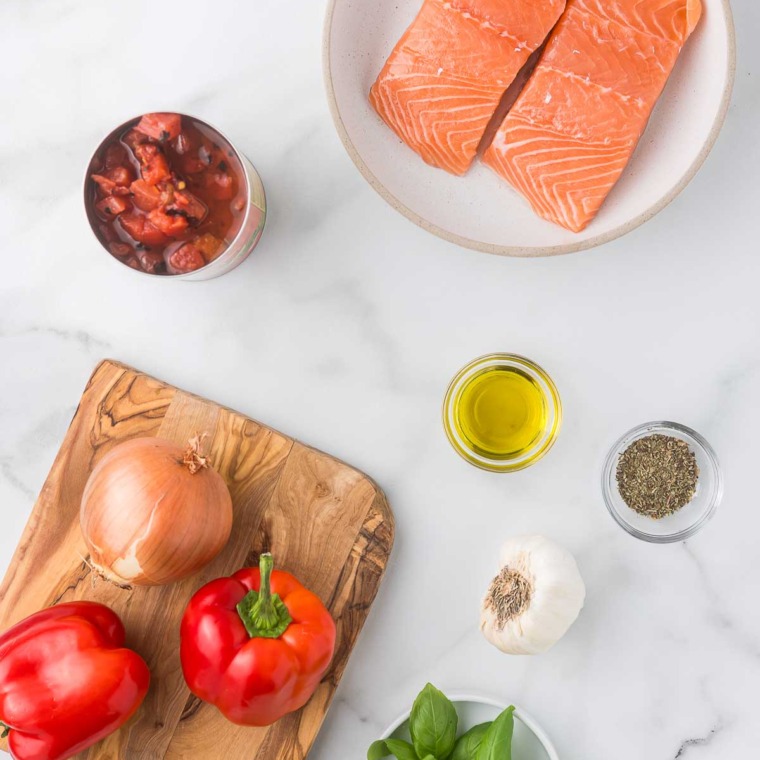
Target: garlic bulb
x,y
534,599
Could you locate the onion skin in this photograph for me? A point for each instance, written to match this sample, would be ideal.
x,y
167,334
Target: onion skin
x,y
147,519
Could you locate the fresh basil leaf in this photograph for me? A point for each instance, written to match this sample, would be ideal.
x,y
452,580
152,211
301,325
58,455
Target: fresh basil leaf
x,y
497,742
400,749
468,744
378,750
433,724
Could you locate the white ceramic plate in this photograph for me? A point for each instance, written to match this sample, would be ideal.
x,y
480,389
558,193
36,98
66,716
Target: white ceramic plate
x,y
481,211
528,743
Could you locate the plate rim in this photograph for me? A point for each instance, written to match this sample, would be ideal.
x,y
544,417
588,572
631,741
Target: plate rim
x,y
528,720
527,251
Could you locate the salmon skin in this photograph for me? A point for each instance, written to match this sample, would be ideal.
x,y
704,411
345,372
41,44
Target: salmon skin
x,y
446,76
576,124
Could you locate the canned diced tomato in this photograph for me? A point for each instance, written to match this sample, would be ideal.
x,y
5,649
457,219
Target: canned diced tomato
x,y
112,206
208,245
151,261
170,224
187,189
121,176
140,229
146,197
186,259
122,250
188,204
116,155
155,167
133,138
161,126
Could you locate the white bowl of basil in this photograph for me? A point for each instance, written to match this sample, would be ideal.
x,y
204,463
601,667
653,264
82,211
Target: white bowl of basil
x,y
463,727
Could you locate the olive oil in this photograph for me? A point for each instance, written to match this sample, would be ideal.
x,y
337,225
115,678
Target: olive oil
x,y
500,412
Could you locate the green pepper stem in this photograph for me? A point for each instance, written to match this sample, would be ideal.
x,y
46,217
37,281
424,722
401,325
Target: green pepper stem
x,y
263,613
6,730
267,617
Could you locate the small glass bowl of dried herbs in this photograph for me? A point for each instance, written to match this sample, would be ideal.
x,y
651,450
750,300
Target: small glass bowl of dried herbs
x,y
662,482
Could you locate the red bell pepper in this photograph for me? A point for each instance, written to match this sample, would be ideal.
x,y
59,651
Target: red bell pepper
x,y
66,682
256,645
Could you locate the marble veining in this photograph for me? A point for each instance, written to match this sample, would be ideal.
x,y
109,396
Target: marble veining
x,y
344,329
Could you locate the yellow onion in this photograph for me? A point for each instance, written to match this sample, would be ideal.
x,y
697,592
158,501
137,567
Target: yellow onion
x,y
153,512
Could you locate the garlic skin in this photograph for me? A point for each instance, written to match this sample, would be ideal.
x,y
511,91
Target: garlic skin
x,y
539,593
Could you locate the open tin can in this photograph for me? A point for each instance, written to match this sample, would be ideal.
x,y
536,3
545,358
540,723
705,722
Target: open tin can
x,y
252,210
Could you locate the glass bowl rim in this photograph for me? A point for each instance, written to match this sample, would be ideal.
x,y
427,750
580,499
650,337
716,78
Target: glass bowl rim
x,y
663,426
552,397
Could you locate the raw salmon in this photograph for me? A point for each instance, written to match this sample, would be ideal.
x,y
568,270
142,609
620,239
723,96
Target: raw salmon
x,y
445,77
576,124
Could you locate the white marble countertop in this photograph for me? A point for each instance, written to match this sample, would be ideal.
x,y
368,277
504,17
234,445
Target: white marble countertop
x,y
344,328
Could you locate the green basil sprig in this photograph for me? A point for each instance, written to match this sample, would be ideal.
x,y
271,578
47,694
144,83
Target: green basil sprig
x,y
433,726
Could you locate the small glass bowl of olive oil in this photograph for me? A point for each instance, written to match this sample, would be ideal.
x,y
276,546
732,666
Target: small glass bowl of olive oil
x,y
502,412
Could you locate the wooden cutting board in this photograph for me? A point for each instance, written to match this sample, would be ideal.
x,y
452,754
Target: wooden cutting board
x,y
325,522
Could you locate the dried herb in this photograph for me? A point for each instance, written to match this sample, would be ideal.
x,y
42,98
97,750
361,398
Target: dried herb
x,y
657,475
509,596
222,166
164,136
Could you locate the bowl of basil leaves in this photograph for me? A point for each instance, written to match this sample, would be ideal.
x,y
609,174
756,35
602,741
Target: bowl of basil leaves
x,y
462,727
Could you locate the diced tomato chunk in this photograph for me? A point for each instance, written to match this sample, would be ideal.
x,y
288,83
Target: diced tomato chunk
x,y
155,167
161,126
220,184
121,176
112,206
190,205
139,228
145,196
208,245
116,155
157,170
133,138
108,233
170,224
186,259
151,261
122,250
105,186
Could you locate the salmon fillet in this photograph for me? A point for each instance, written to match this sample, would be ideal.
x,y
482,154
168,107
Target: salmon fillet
x,y
576,124
446,76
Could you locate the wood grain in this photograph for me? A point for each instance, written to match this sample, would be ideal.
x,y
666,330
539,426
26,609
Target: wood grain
x,y
324,521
